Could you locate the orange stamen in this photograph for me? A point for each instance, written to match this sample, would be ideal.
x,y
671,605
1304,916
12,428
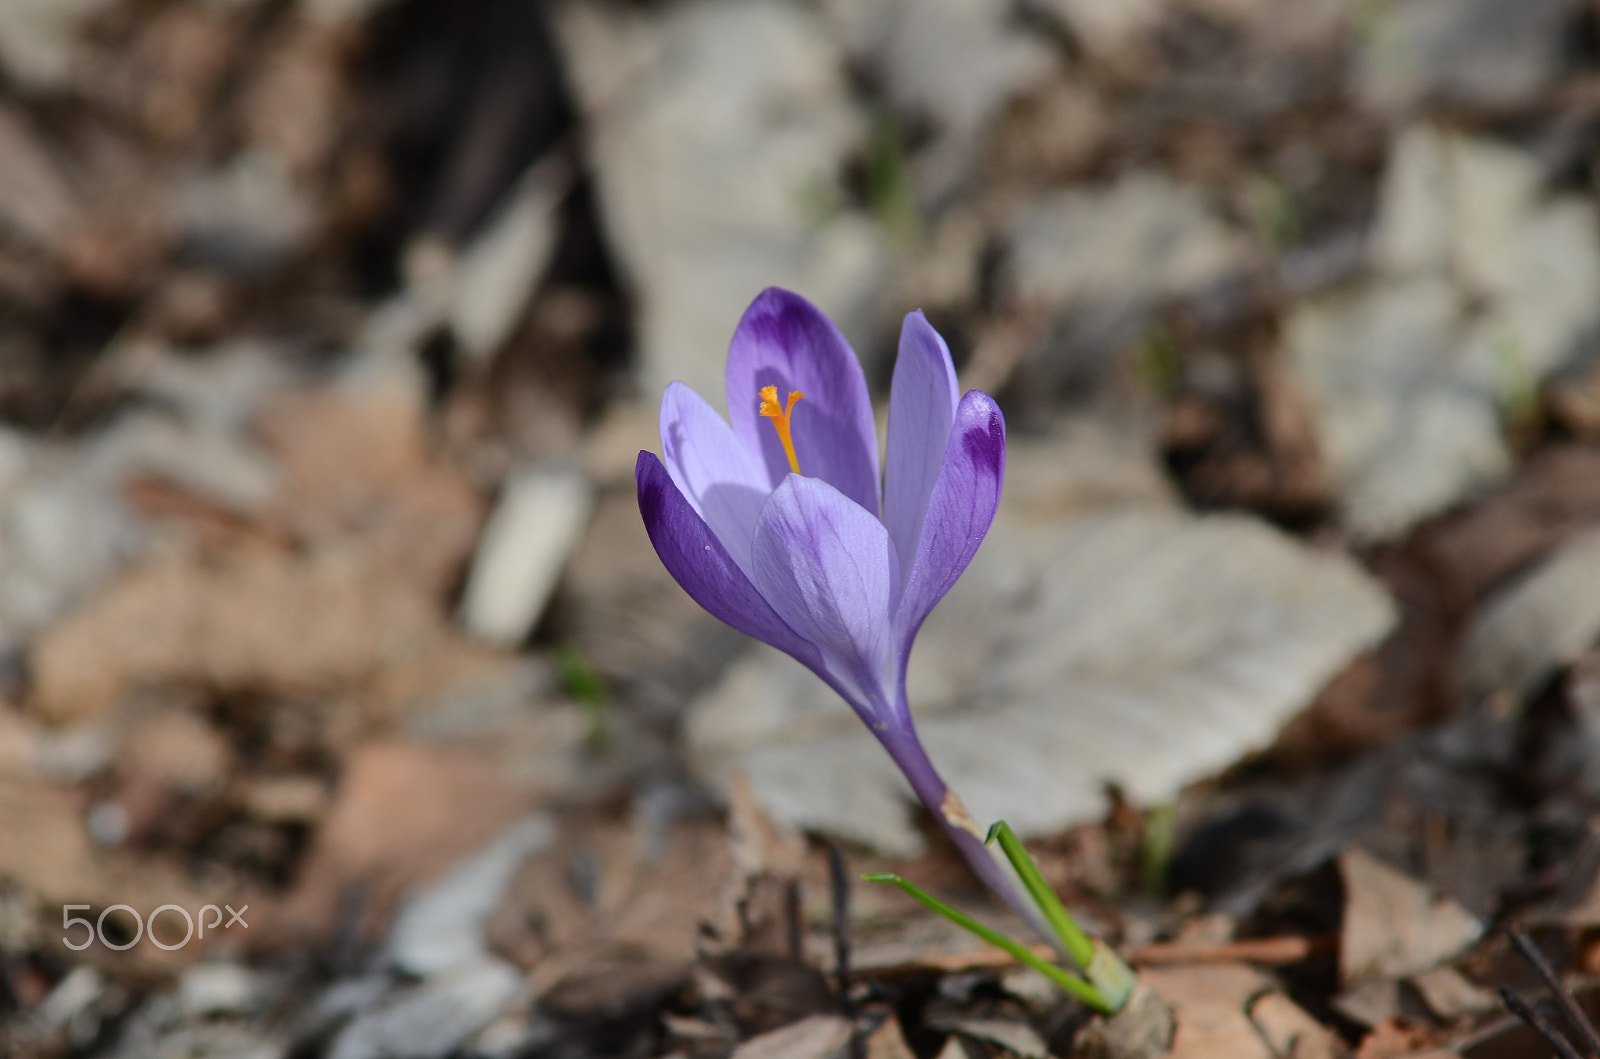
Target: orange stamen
x,y
780,420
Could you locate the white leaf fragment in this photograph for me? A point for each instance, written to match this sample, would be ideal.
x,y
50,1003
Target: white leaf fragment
x,y
1482,289
719,129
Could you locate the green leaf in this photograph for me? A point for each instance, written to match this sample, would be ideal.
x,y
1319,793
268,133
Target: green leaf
x,y
1068,983
1107,973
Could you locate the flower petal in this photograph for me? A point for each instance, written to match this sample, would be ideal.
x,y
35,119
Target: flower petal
x,y
828,568
785,341
960,509
717,475
922,407
698,561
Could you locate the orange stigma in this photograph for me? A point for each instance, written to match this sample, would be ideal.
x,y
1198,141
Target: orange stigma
x,y
780,419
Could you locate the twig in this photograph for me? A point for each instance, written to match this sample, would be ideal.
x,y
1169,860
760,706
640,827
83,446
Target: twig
x,y
839,887
839,883
1277,951
1569,1007
1537,1021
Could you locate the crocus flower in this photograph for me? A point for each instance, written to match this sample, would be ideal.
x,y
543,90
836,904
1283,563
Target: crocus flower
x,y
776,524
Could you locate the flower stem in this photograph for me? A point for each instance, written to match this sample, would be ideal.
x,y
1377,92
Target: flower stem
x,y
906,749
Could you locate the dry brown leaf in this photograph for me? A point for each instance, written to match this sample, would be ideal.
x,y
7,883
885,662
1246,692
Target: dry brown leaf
x,y
1210,1004
762,894
1011,1035
1449,995
252,621
1394,925
358,469
813,1037
1291,1032
603,887
403,814
1392,1039
177,747
888,1041
47,850
292,105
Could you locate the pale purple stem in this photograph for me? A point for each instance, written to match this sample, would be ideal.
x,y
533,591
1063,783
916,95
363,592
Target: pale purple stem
x,y
900,740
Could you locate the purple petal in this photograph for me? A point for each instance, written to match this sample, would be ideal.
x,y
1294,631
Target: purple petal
x,y
784,341
698,561
829,570
960,509
922,407
715,473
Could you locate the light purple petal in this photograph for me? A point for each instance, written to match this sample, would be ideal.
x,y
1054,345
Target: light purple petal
x,y
829,570
715,473
784,341
697,560
922,407
960,509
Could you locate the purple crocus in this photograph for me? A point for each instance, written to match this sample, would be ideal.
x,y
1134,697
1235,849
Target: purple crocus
x,y
777,525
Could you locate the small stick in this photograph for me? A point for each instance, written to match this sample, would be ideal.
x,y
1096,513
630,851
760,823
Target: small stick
x,y
1520,1009
839,886
1276,951
1569,1007
839,881
794,920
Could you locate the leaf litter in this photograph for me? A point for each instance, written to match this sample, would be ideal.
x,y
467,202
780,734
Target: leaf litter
x,y
1337,270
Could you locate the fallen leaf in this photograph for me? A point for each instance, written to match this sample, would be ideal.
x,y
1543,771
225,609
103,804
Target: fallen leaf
x,y
813,1037
1394,925
888,1041
1016,1037
1449,995
1393,1039
1547,618
603,888
1555,494
402,815
48,851
1142,239
1483,289
954,63
1210,1005
1471,54
685,143
358,468
1291,1032
535,527
253,620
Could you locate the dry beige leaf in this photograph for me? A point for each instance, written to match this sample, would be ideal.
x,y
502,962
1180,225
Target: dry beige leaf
x,y
813,1037
888,1041
1017,1038
177,747
359,471
403,814
47,850
1545,619
1449,994
1291,1032
249,621
1394,925
1211,1004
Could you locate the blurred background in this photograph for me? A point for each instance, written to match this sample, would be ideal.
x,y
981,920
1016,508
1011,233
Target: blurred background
x,y
330,331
